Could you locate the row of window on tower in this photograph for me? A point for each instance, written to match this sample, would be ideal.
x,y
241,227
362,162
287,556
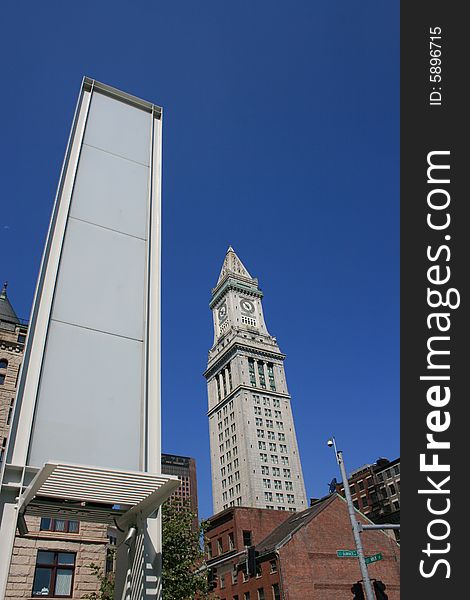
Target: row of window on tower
x,y
224,382
261,374
229,456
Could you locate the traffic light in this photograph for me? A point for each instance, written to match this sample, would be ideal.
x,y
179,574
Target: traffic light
x,y
379,589
357,590
211,579
251,561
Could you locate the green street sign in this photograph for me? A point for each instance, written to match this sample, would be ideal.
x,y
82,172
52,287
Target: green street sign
x,y
374,558
346,553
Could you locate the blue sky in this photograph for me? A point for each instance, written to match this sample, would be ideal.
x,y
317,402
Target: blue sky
x,y
281,138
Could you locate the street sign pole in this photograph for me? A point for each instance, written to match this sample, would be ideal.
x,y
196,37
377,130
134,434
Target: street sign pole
x,y
355,526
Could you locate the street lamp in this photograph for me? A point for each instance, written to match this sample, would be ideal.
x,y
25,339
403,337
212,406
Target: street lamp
x,y
355,525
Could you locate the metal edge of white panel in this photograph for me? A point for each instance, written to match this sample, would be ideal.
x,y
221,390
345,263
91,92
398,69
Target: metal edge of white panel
x,y
152,449
107,90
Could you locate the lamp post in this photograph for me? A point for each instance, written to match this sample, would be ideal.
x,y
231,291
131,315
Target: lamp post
x,y
355,525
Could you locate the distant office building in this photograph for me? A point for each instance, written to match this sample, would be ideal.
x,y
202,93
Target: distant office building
x,y
294,555
254,454
375,491
185,469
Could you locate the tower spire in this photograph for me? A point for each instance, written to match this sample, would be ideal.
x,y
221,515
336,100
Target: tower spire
x,y
233,265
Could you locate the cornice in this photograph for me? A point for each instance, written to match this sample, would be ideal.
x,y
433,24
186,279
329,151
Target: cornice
x,y
234,349
233,284
248,388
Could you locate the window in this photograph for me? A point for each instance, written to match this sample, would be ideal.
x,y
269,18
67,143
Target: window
x,y
267,483
262,445
272,384
219,546
392,489
276,592
58,525
2,378
281,437
260,433
267,412
269,423
21,338
261,594
276,471
258,411
272,447
288,485
3,363
247,538
54,574
286,473
273,566
262,380
290,498
277,484
271,435
361,484
251,371
259,422
274,459
246,595
2,449
264,470
222,582
263,457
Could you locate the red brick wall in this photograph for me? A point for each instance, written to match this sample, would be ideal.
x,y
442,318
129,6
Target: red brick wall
x,y
312,571
259,521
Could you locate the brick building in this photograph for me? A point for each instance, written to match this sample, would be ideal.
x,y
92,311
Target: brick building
x,y
295,553
12,339
375,491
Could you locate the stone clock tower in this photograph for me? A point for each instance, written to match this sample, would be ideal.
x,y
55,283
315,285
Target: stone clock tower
x,y
254,455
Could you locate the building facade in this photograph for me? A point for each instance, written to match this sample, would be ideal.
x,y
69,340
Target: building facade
x,y
184,468
375,491
12,339
254,454
295,556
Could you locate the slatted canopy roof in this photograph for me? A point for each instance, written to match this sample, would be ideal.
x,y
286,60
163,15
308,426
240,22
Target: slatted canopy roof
x,y
95,494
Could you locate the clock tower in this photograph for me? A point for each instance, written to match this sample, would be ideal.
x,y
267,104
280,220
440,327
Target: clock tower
x,y
254,454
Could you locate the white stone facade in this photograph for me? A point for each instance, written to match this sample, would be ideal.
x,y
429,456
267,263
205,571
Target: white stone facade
x,y
254,454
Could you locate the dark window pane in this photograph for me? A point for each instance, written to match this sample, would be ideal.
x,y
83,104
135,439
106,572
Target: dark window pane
x,y
42,582
45,524
66,558
2,378
45,557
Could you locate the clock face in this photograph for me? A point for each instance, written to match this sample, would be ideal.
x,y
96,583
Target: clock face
x,y
247,306
222,312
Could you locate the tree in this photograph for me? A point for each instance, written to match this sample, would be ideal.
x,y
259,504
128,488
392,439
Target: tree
x,y
106,581
182,554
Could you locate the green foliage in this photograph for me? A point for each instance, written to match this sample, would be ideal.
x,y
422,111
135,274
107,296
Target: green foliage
x,y
106,581
182,554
